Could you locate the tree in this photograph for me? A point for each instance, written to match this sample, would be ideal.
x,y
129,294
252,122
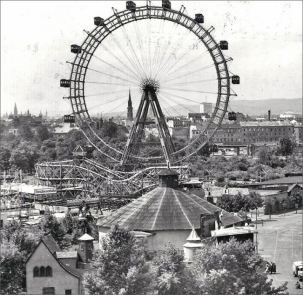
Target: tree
x,y
109,129
265,156
42,133
121,267
25,156
11,266
240,202
231,268
286,147
5,155
51,225
16,246
26,132
173,277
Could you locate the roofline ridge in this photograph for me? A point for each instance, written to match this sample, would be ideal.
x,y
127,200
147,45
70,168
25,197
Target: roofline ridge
x,y
182,208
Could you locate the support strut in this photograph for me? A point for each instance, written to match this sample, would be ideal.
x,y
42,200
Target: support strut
x,y
148,99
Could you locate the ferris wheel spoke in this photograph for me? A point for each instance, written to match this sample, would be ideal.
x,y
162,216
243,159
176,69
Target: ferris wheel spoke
x,y
157,55
119,106
170,61
164,64
131,61
190,82
176,102
107,93
170,72
113,76
133,52
142,50
178,96
117,58
171,66
119,70
189,90
186,74
109,83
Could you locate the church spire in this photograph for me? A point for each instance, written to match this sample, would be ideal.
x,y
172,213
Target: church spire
x,y
15,110
130,108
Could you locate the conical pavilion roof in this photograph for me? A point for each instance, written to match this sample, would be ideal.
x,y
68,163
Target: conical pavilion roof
x,y
193,236
161,209
86,237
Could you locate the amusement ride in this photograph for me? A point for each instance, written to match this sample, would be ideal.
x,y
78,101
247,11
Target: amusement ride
x,y
162,56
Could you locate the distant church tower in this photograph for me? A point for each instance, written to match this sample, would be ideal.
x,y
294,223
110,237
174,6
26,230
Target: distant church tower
x,y
130,108
15,111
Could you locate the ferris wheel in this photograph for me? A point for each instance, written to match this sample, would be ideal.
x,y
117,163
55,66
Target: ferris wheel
x,y
166,59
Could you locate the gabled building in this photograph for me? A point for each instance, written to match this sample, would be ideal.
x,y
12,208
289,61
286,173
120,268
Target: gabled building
x,y
50,271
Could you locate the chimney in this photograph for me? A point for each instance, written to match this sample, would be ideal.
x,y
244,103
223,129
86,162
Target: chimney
x,y
268,115
168,178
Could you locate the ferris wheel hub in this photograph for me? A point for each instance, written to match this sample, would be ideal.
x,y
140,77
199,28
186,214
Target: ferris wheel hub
x,y
150,84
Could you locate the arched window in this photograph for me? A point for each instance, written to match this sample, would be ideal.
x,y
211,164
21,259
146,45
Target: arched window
x,y
49,272
42,271
36,271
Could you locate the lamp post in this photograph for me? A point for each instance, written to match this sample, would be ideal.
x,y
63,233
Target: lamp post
x,y
256,231
284,206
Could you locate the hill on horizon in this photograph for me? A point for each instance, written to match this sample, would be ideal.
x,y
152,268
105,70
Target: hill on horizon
x,y
250,107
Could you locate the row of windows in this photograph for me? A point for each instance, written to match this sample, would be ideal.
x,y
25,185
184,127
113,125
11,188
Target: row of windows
x,y
43,271
51,291
268,129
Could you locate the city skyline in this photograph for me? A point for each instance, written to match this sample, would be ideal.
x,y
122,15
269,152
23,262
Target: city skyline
x,y
34,55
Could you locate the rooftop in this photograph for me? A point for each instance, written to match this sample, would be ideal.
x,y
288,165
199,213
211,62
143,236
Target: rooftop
x,y
86,237
68,254
266,123
283,180
231,231
164,209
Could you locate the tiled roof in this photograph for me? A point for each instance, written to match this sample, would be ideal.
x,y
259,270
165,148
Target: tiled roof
x,y
68,254
263,193
265,123
283,180
290,188
51,244
232,231
167,171
229,218
161,209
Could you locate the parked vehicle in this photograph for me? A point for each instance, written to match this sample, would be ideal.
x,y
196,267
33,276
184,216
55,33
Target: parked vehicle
x,y
297,269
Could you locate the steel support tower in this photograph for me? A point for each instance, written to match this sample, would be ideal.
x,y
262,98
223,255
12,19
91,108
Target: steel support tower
x,y
149,100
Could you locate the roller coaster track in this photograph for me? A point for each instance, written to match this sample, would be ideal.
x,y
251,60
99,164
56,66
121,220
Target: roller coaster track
x,y
83,175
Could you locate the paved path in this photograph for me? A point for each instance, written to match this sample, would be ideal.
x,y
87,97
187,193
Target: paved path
x,y
280,241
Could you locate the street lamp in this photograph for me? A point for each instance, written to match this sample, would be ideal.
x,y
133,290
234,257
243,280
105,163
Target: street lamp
x,y
284,206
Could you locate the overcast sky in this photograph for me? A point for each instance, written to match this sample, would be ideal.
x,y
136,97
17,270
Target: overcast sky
x,y
265,42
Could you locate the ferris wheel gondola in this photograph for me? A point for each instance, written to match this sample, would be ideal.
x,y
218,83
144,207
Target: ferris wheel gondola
x,y
157,75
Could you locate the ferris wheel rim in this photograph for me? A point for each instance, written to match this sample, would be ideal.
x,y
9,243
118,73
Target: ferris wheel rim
x,y
116,21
